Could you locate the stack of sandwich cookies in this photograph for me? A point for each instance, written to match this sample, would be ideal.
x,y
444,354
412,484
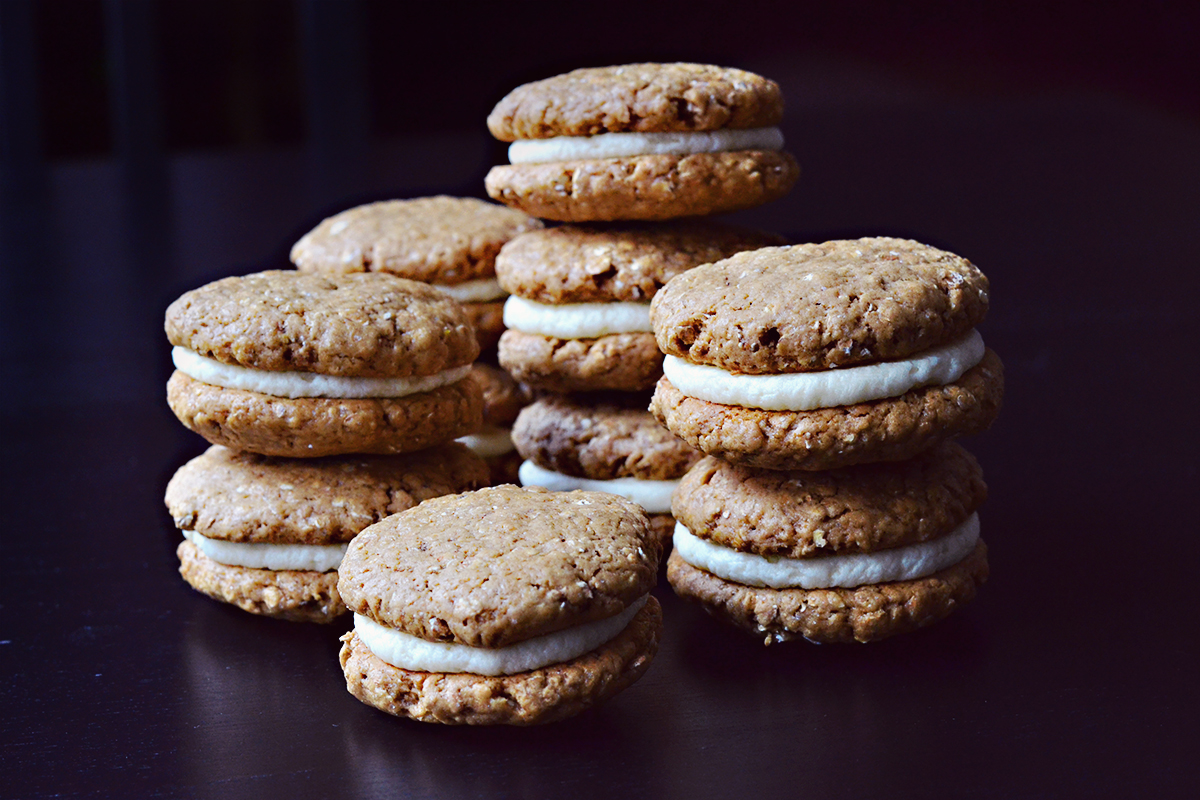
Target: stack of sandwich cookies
x,y
305,365
606,443
450,242
267,534
822,355
641,141
859,553
505,605
578,317
503,399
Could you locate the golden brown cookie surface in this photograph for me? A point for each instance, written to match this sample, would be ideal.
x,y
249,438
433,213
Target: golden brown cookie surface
x,y
862,614
826,438
648,187
352,325
308,427
625,362
541,695
294,595
446,240
637,97
816,306
625,263
242,497
500,565
859,509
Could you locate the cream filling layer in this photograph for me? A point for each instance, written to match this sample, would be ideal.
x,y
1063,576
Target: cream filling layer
x,y
619,145
482,290
653,496
406,651
834,571
307,384
307,557
804,391
576,320
490,442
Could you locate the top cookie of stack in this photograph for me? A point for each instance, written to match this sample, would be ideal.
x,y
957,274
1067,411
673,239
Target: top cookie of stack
x,y
641,141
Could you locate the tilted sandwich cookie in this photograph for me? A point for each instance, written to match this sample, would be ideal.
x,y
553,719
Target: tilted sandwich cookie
x,y
605,443
506,605
267,534
450,242
641,141
578,317
821,355
293,364
859,553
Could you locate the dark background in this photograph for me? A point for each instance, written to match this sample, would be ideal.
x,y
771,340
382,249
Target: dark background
x,y
149,147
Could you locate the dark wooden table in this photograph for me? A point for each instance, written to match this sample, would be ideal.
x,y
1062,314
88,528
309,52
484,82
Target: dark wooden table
x,y
1072,675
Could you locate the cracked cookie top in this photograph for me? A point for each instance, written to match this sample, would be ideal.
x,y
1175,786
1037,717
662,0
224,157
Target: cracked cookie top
x,y
626,262
242,497
819,306
446,240
858,509
501,565
637,97
352,325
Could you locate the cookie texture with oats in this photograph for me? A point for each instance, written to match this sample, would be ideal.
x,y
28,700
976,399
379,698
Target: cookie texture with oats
x,y
352,325
637,97
862,614
819,306
647,187
243,497
540,695
603,437
501,565
293,595
805,514
617,262
627,362
890,429
309,427
446,240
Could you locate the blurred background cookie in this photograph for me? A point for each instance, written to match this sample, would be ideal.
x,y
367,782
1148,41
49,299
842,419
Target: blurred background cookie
x,y
450,242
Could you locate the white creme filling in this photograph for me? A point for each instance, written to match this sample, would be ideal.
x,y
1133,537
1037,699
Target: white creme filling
x,y
482,290
489,442
576,320
307,557
827,572
406,651
307,384
653,496
619,145
804,391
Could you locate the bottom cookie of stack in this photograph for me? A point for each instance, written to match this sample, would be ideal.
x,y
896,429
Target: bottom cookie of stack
x,y
855,554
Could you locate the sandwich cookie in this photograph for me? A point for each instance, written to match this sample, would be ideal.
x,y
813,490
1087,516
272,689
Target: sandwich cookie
x,y
298,364
822,355
605,443
578,317
504,605
641,141
450,242
503,399
267,534
854,554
